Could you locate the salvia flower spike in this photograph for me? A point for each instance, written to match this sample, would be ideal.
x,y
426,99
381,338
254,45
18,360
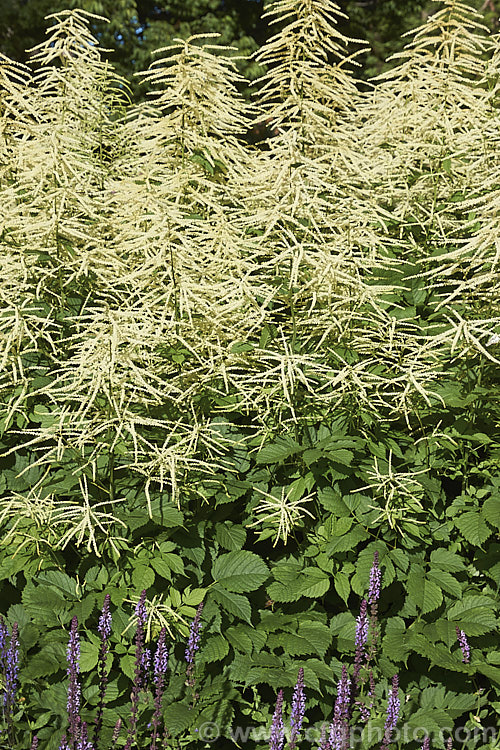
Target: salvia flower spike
x,y
360,641
393,707
4,634
11,671
339,729
104,630
464,645
373,597
298,709
73,705
193,644
139,677
375,580
160,668
277,738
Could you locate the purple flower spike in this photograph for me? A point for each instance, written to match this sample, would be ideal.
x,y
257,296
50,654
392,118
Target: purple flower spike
x,y
339,729
4,634
139,672
375,579
104,630
277,737
85,743
373,597
160,668
360,641
64,743
73,705
393,707
193,644
34,744
11,672
426,745
449,744
462,639
104,627
298,709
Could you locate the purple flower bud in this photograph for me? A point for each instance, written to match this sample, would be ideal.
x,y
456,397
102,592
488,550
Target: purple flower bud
x,y
298,709
462,639
277,737
449,744
116,732
34,744
393,707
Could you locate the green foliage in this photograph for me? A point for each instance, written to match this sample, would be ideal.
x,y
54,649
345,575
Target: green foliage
x,y
231,375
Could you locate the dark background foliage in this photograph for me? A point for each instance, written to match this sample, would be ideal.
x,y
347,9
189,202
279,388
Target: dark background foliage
x,y
137,27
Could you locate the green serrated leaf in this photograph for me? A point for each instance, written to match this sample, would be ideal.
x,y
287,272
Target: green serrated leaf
x,y
491,511
234,604
446,560
230,536
143,577
424,594
342,586
239,571
215,649
446,582
277,451
474,528
89,654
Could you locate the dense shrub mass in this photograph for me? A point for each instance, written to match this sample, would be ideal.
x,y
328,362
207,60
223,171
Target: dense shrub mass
x,y
251,378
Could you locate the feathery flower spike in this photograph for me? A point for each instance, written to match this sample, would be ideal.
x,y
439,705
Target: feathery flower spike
x,y
393,707
160,668
298,709
462,639
277,738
